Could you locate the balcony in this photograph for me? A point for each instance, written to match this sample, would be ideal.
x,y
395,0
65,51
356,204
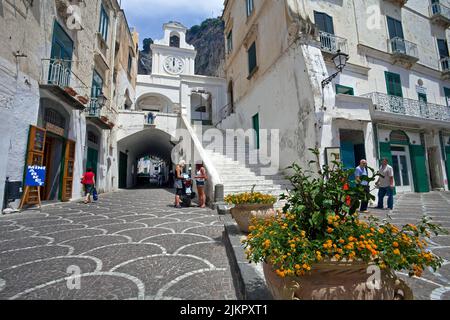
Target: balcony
x,y
384,103
401,3
101,52
440,15
445,68
58,78
95,113
331,44
403,52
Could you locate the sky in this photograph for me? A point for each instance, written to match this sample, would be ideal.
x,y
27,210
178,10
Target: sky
x,y
148,16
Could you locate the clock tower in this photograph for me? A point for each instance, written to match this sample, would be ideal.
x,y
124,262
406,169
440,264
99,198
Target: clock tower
x,y
172,56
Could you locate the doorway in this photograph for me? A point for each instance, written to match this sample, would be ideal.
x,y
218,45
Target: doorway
x,y
123,167
53,156
401,163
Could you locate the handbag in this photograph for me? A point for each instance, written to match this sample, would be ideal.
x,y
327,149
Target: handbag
x,y
95,194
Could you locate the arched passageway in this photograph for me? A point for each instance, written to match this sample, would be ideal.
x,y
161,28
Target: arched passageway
x,y
134,149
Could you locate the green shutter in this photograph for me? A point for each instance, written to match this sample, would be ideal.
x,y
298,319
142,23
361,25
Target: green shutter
x,y
419,168
447,164
393,84
252,59
256,128
385,151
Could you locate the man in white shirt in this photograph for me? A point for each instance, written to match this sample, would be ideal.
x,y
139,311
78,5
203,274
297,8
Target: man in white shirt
x,y
386,185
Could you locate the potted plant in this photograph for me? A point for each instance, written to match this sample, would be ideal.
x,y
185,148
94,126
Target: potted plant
x,y
70,91
250,205
320,248
83,100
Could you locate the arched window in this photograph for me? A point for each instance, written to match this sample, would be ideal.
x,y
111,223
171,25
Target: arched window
x,y
399,137
175,41
54,117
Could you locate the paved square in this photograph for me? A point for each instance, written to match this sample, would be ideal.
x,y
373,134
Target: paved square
x,y
128,245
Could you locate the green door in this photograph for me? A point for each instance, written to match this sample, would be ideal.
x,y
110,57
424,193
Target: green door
x,y
419,168
123,165
447,164
92,160
256,128
394,88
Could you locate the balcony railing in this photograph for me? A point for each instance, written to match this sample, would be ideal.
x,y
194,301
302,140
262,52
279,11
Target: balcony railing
x,y
98,115
403,48
440,13
445,64
332,44
56,72
409,107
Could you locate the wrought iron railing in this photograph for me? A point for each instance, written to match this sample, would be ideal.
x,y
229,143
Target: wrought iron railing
x,y
445,64
94,109
332,44
415,108
438,9
59,73
404,47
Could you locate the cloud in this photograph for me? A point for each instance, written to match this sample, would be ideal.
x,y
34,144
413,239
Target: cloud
x,y
148,16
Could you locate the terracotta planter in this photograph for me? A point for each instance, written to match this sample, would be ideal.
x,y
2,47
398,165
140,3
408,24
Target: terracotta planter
x,y
337,281
83,100
243,214
70,91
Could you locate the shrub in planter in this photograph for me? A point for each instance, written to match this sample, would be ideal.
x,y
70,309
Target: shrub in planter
x,y
250,205
320,237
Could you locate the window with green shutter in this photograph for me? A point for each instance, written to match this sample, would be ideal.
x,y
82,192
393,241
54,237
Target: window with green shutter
x,y
324,22
252,63
344,90
393,84
447,96
104,23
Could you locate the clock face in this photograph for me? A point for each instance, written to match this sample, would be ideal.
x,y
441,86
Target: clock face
x,y
174,65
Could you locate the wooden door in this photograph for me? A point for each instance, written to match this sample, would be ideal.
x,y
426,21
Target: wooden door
x,y
68,171
35,157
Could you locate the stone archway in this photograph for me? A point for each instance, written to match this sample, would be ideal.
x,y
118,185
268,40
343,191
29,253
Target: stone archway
x,y
149,142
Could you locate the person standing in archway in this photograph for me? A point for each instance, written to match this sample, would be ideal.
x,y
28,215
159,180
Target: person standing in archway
x,y
179,183
200,179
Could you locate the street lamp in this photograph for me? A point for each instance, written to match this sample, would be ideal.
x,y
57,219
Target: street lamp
x,y
340,61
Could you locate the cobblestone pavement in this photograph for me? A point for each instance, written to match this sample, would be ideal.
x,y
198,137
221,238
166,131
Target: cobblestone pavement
x,y
128,245
409,208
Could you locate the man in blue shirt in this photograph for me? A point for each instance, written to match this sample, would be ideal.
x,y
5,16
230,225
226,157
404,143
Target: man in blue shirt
x,y
360,172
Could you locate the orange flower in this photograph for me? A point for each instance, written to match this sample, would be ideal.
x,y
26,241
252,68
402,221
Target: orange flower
x,y
395,244
330,230
396,251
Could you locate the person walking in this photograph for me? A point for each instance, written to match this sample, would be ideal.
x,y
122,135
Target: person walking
x,y
360,173
179,182
385,185
88,180
200,179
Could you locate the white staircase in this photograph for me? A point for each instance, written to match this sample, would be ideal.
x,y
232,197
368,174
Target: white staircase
x,y
239,174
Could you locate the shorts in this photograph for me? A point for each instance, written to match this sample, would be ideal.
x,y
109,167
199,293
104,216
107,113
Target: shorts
x,y
89,188
179,192
200,183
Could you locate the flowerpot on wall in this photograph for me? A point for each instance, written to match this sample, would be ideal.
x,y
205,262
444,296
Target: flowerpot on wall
x,y
243,214
83,100
70,91
337,281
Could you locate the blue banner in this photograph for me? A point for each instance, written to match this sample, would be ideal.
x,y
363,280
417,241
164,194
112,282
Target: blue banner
x,y
35,176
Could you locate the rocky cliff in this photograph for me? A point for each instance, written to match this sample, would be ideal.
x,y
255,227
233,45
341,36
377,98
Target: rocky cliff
x,y
209,42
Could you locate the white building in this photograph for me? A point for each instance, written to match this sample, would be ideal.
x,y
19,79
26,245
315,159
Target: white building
x,y
389,101
172,97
